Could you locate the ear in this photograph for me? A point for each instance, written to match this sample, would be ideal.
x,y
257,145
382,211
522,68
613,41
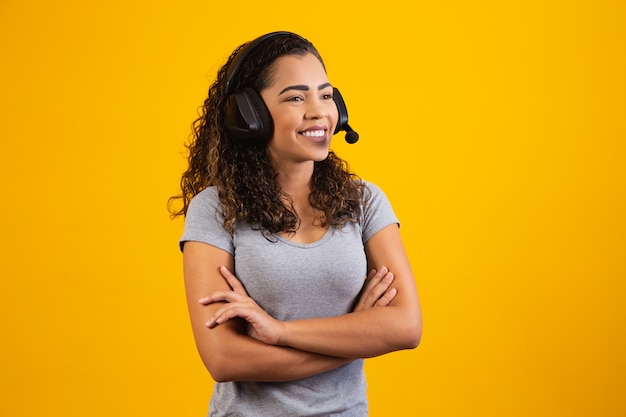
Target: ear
x,y
342,120
247,116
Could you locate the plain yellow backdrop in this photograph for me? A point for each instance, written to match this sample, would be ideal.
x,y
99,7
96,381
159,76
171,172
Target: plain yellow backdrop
x,y
497,130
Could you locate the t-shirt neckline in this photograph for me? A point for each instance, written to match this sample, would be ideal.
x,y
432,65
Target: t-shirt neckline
x,y
319,242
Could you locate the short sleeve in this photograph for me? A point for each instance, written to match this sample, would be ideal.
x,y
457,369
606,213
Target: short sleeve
x,y
204,222
377,211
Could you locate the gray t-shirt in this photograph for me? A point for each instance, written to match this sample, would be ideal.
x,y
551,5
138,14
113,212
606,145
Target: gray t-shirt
x,y
294,281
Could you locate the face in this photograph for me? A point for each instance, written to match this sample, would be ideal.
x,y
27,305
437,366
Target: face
x,y
300,101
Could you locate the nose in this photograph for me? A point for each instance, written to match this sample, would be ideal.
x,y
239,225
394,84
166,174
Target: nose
x,y
316,109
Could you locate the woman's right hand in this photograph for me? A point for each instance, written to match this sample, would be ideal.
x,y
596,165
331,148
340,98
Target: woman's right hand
x,y
377,290
261,326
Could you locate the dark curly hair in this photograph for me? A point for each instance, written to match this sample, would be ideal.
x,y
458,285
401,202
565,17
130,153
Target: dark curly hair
x,y
241,170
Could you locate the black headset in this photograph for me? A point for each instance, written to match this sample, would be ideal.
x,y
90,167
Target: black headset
x,y
247,116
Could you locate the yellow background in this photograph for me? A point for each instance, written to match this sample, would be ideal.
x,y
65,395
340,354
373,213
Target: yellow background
x,y
496,128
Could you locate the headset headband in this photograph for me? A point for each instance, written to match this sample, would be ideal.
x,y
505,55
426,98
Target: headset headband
x,y
246,50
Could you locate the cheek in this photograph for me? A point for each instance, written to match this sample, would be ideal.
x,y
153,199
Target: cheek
x,y
284,121
334,116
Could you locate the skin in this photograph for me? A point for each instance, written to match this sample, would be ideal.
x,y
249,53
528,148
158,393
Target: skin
x,y
236,339
300,100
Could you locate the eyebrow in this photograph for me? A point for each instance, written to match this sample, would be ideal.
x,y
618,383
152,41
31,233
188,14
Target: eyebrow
x,y
303,88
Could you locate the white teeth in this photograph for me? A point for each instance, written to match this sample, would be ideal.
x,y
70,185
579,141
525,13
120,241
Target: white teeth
x,y
314,133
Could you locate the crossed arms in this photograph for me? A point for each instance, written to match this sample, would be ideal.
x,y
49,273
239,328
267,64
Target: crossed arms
x,y
238,341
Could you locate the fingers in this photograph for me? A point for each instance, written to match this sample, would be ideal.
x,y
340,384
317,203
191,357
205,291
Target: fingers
x,y
386,298
379,283
380,294
377,290
232,280
229,296
375,277
217,296
230,311
261,326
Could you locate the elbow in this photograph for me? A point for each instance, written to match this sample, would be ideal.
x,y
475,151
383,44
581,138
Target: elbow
x,y
221,376
219,366
410,334
220,372
220,355
412,338
217,372
416,338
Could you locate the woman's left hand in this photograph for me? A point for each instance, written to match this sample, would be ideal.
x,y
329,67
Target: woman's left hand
x,y
261,326
377,290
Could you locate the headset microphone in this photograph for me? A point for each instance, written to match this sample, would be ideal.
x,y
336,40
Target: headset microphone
x,y
351,135
342,120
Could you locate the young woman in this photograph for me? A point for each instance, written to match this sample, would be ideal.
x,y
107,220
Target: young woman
x,y
279,238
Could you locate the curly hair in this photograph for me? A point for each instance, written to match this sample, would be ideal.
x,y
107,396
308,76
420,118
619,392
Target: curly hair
x,y
242,171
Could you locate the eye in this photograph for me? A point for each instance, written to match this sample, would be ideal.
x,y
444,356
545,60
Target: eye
x,y
327,96
295,98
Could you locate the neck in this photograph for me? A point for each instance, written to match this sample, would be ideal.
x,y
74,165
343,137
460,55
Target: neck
x,y
296,186
295,180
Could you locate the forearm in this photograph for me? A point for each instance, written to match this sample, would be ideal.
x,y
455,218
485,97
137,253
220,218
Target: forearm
x,y
232,356
369,332
361,334
228,353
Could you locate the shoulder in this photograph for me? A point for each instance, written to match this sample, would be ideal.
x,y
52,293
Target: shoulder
x,y
204,206
372,192
207,195
204,221
205,199
376,210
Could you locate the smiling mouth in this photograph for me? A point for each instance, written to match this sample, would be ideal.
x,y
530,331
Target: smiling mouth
x,y
314,133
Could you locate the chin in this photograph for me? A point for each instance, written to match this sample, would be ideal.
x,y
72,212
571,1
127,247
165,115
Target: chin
x,y
321,156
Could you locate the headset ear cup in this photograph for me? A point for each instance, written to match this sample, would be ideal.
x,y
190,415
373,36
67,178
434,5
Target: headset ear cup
x,y
247,116
342,111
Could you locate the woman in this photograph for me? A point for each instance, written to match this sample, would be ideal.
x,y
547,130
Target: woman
x,y
278,239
